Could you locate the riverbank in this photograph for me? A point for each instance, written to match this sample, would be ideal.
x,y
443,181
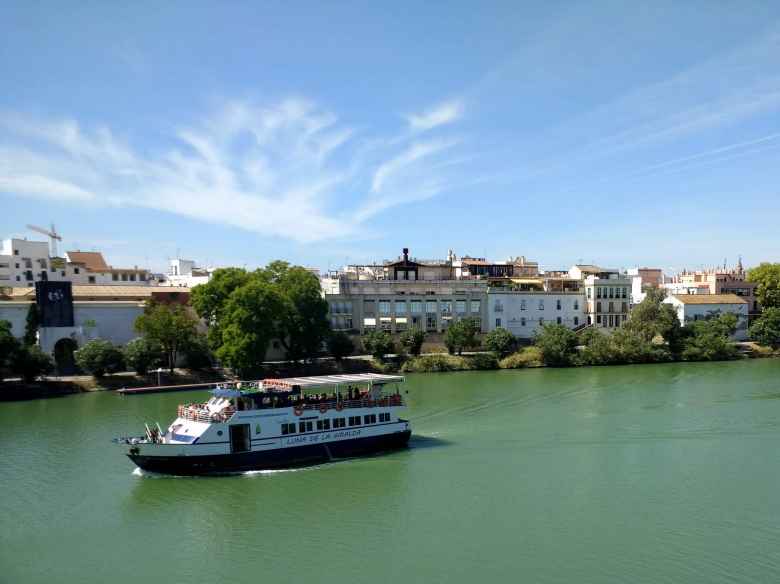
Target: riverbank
x,y
532,357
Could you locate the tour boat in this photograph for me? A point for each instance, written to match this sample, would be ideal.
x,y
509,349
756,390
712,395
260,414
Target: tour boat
x,y
278,423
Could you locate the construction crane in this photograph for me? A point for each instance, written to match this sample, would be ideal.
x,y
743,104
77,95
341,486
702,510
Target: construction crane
x,y
54,237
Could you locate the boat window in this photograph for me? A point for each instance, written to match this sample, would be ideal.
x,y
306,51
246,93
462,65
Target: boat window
x,y
288,428
305,427
323,424
370,419
354,420
339,422
384,417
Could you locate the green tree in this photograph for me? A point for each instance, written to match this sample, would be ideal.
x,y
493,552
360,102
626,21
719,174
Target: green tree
x,y
500,341
597,349
412,341
141,355
30,363
766,329
209,300
170,326
461,335
708,339
378,343
558,344
197,354
249,322
9,345
631,346
652,318
303,323
767,276
340,345
31,325
99,357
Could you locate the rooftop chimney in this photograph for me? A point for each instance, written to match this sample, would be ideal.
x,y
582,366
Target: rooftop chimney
x,y
406,254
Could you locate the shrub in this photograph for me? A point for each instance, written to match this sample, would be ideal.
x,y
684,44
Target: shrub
x,y
9,345
30,362
378,344
340,345
526,357
435,363
412,341
500,341
99,357
141,355
708,340
558,345
482,361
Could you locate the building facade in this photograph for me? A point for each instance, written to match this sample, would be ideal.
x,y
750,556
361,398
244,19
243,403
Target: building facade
x,y
607,299
23,262
523,313
693,307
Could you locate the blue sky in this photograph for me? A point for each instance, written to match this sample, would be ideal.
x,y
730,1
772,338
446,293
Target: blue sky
x,y
234,133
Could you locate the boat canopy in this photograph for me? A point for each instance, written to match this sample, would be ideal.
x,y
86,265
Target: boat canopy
x,y
330,381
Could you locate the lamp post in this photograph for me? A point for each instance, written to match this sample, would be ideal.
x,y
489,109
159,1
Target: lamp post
x,y
159,370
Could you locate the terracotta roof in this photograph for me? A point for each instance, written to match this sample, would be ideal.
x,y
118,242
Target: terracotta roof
x,y
92,260
709,299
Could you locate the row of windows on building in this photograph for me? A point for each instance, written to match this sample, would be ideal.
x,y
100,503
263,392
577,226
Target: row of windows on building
x,y
334,423
612,320
419,307
541,321
498,306
611,307
609,292
431,322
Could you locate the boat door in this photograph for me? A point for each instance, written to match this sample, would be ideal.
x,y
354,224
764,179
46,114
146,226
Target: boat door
x,y
240,438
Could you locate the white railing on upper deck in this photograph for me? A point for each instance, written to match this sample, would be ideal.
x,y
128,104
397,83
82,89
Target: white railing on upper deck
x,y
200,413
338,405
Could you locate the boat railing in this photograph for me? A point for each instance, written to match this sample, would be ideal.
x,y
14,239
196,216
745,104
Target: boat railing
x,y
200,413
323,406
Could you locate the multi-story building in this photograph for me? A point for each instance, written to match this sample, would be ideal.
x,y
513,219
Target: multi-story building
x,y
23,262
404,293
523,313
643,279
720,280
186,273
607,296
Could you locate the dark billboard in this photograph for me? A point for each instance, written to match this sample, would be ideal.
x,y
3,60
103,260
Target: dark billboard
x,y
55,303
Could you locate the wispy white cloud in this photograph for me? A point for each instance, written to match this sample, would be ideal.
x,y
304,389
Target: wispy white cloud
x,y
440,115
408,157
283,169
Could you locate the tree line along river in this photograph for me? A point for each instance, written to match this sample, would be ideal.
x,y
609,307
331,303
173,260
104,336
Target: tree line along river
x,y
657,473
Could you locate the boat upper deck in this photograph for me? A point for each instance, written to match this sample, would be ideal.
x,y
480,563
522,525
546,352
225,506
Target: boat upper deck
x,y
346,392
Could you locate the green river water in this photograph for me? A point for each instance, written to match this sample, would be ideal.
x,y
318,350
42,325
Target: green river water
x,y
642,474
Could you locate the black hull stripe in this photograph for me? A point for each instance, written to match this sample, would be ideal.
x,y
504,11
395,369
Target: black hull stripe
x,y
288,457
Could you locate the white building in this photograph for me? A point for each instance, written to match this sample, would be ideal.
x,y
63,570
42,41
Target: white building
x,y
693,307
186,273
23,262
523,313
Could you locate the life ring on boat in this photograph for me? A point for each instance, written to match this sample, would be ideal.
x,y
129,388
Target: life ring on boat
x,y
298,411
339,406
323,408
